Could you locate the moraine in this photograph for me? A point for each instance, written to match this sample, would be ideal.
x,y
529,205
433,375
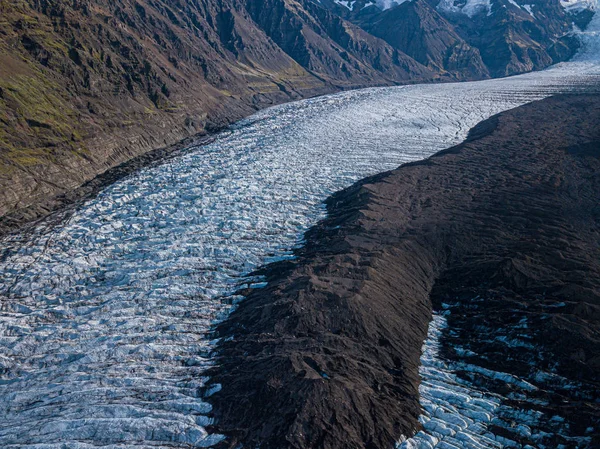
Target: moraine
x,y
105,316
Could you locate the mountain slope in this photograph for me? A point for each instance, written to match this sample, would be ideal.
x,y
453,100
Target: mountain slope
x,y
515,39
86,85
330,47
424,34
474,38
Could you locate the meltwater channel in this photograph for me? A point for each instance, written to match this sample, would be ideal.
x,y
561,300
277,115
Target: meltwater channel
x,y
105,317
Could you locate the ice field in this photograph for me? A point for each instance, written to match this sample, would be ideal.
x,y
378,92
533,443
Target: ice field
x,y
105,316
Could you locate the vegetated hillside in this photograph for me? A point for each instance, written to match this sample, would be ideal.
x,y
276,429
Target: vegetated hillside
x,y
88,84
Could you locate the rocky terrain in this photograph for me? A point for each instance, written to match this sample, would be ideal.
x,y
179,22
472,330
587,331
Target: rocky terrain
x,y
502,230
473,39
89,84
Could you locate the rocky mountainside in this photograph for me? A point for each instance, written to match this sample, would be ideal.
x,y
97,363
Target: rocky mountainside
x,y
331,48
423,33
430,39
473,38
516,37
86,85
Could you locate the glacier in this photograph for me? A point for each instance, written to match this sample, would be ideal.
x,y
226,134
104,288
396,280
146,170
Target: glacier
x,y
107,311
457,410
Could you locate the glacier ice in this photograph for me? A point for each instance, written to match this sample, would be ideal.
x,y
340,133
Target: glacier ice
x,y
461,413
106,314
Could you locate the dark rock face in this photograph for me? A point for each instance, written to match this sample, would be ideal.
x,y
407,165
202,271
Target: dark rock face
x,y
429,38
326,355
509,38
512,40
331,48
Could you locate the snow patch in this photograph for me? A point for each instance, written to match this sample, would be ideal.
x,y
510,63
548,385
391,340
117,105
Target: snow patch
x,y
470,8
387,4
346,4
577,6
529,9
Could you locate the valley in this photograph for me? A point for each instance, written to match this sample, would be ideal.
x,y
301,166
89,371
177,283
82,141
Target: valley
x,y
109,312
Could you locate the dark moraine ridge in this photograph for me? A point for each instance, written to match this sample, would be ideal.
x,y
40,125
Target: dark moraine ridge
x,y
327,355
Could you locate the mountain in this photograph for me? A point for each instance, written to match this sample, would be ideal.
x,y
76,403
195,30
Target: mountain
x,y
330,48
86,85
467,39
428,37
516,36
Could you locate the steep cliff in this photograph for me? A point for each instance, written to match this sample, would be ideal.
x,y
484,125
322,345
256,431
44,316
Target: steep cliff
x,y
422,32
515,37
474,38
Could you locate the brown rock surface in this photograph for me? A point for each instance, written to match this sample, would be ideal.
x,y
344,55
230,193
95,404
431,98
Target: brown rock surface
x,y
502,41
326,355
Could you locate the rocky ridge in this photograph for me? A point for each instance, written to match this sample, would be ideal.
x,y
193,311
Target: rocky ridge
x,y
473,39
